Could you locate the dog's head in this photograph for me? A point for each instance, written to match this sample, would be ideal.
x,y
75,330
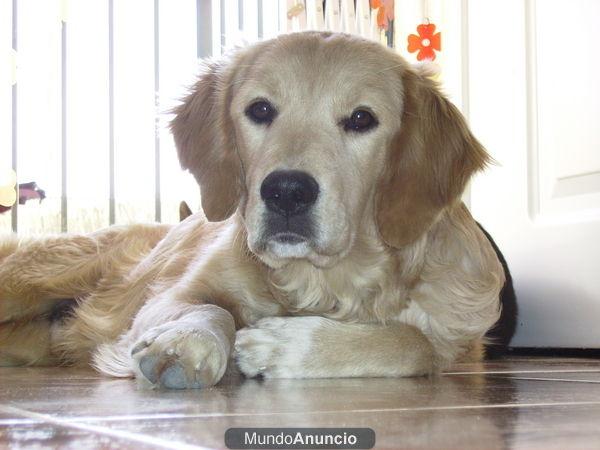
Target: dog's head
x,y
313,137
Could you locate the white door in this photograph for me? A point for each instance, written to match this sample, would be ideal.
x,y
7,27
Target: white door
x,y
534,102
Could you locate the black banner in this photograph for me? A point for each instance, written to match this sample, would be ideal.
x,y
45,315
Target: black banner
x,y
299,438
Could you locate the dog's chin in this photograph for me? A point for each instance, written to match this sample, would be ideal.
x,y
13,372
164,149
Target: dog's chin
x,y
288,249
280,250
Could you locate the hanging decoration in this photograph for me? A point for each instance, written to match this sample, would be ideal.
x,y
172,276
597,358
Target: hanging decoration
x,y
385,13
426,42
385,19
295,10
27,191
8,193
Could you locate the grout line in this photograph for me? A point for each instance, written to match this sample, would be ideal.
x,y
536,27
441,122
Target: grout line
x,y
501,372
11,422
549,379
127,435
131,418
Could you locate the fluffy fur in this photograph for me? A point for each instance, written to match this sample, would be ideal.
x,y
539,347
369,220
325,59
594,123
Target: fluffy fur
x,y
398,279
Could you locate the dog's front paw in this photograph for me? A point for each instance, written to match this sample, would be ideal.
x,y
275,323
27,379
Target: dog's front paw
x,y
276,347
180,356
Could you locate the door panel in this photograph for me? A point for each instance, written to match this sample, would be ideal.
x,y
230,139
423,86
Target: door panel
x,y
568,107
535,103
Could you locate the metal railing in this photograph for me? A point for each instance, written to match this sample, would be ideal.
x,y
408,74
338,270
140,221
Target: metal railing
x,y
88,108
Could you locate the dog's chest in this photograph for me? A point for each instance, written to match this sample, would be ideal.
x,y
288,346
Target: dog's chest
x,y
349,291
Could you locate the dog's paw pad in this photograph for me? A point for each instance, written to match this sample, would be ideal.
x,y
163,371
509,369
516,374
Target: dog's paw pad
x,y
149,368
174,377
181,359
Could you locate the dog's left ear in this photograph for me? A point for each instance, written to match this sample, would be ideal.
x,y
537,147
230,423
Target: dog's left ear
x,y
429,163
205,139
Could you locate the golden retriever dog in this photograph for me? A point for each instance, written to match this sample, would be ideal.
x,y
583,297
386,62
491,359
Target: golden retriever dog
x,y
334,241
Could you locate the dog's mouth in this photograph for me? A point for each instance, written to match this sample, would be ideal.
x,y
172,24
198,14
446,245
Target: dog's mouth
x,y
281,231
281,247
283,243
288,244
289,238
284,239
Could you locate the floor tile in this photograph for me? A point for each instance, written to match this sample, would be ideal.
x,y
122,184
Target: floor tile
x,y
581,377
530,364
557,427
94,396
52,436
517,403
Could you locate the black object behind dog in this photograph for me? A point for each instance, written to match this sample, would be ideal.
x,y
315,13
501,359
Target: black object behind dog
x,y
501,333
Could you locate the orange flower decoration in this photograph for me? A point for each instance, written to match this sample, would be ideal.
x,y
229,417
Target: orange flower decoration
x,y
426,42
385,12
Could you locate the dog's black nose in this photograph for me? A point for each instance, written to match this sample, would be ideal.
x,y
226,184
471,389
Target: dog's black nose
x,y
289,192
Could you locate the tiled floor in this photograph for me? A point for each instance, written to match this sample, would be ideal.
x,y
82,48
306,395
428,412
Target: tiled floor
x,y
519,402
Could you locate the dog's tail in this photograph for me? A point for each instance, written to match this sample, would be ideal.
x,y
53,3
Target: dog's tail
x,y
498,338
184,211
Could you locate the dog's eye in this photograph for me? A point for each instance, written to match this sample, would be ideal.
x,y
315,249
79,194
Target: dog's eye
x,y
261,112
360,121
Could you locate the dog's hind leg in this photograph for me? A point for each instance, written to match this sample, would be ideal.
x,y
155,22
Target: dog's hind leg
x,y
41,271
37,273
26,344
8,245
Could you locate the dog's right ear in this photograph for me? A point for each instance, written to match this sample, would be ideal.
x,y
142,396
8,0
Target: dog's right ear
x,y
430,162
205,140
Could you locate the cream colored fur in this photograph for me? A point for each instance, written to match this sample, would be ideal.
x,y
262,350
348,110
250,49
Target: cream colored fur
x,y
398,281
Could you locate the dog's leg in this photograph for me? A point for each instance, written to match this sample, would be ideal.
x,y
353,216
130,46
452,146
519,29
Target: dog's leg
x,y
39,272
316,347
8,245
174,345
36,273
25,344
